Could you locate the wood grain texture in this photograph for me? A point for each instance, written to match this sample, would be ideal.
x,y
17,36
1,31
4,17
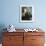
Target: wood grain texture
x,y
13,39
34,39
23,38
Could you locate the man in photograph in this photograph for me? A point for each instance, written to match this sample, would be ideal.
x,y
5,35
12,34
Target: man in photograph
x,y
26,14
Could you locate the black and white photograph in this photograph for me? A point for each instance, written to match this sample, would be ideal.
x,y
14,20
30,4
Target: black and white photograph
x,y
26,13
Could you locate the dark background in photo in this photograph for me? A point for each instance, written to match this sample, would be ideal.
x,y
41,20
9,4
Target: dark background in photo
x,y
26,13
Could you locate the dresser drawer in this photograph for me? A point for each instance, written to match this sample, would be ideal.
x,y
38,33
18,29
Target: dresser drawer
x,y
34,33
12,39
13,44
37,44
13,33
37,39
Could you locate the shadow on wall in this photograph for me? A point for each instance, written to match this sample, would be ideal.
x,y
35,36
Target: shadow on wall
x,y
2,26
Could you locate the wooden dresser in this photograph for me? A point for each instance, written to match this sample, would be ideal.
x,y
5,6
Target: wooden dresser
x,y
23,38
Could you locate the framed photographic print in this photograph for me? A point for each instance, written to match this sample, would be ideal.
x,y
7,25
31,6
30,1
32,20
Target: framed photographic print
x,y
26,13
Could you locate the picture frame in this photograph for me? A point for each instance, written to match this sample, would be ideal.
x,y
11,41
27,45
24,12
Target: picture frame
x,y
26,13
